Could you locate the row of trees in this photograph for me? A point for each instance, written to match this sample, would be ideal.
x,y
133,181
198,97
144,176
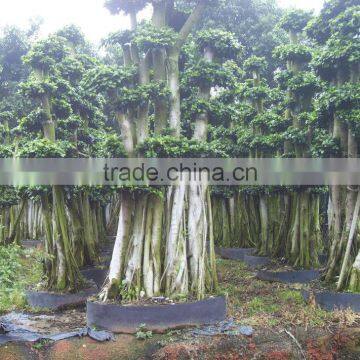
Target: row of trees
x,y
185,84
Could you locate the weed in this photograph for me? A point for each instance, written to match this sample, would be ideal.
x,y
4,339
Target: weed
x,y
142,334
318,316
39,345
291,295
258,304
18,269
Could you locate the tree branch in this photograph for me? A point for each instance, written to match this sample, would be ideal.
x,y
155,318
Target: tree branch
x,y
190,23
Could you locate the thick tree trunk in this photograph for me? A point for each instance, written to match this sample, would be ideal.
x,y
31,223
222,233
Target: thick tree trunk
x,y
176,268
344,267
152,246
354,282
111,289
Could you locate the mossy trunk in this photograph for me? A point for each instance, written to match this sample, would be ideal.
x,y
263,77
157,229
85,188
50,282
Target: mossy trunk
x,y
354,279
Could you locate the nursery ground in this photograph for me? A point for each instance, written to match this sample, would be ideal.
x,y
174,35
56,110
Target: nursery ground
x,y
285,327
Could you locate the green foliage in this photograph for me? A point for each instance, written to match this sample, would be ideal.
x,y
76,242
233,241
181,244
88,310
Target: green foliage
x,y
295,20
128,293
252,22
205,73
128,98
304,84
18,270
245,137
267,143
36,89
46,53
8,197
33,122
323,145
343,97
255,64
142,334
3,131
9,264
246,112
111,146
293,52
71,124
107,79
337,54
6,116
347,23
271,121
319,28
5,151
352,118
44,148
149,37
14,44
223,43
61,108
72,69
254,92
172,147
72,34
283,77
224,139
297,136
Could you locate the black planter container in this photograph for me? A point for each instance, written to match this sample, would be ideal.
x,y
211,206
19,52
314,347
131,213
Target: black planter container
x,y
255,262
332,301
58,301
157,318
289,277
234,253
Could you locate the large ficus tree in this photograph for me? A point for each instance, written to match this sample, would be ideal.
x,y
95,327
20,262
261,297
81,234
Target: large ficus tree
x,y
62,121
336,31
14,44
301,85
160,245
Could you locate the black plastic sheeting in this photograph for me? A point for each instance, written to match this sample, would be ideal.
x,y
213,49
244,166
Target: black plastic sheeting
x,y
228,327
333,301
54,301
12,333
158,318
256,261
289,277
234,253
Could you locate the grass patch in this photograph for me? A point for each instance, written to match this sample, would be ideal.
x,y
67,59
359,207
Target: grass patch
x,y
291,296
257,305
318,317
18,269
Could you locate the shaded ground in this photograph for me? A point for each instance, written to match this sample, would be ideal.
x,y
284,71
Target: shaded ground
x,y
284,328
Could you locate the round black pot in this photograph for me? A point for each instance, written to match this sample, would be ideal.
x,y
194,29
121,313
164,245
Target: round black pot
x,y
289,277
157,318
234,253
256,261
58,301
333,301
